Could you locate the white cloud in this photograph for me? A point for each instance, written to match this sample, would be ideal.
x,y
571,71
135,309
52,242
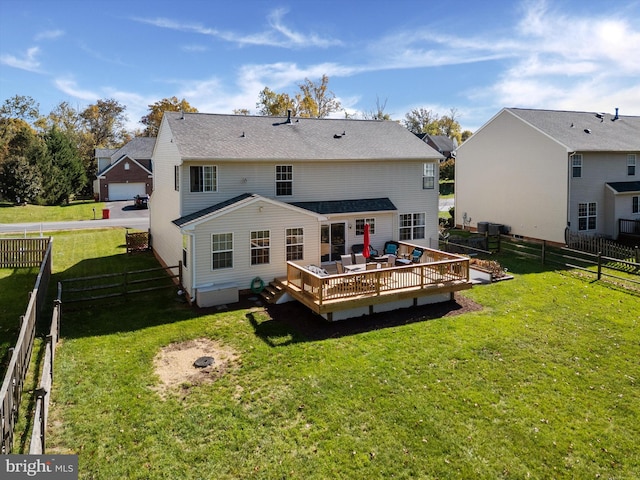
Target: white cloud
x,y
279,35
69,87
49,35
27,62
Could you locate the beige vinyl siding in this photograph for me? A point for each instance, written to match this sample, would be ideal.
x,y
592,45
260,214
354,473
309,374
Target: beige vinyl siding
x,y
241,222
164,203
400,181
512,174
597,169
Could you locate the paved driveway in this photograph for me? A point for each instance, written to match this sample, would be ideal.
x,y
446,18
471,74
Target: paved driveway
x,y
124,209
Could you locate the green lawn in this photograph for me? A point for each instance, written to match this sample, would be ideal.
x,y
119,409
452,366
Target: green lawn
x,y
15,285
81,210
540,383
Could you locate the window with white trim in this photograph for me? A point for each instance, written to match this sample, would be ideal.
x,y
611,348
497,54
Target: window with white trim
x,y
176,178
412,226
576,165
221,250
587,216
295,244
284,180
635,204
631,164
260,247
127,166
428,176
203,178
360,223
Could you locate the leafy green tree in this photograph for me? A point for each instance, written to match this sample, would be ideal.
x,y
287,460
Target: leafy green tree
x,y
465,135
448,169
314,100
105,122
154,117
241,111
317,100
274,104
61,169
422,120
20,180
378,113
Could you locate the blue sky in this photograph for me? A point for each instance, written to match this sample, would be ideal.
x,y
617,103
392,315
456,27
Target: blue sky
x,y
474,56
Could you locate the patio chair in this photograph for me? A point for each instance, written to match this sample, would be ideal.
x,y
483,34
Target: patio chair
x,y
359,248
359,259
391,248
416,255
346,260
340,267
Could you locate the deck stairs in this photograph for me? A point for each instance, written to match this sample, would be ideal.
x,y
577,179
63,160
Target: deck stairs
x,y
274,291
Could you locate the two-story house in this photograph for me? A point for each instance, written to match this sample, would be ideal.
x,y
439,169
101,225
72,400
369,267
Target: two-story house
x,y
125,172
543,172
238,197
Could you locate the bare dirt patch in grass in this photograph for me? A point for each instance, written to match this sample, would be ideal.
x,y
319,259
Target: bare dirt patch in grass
x,y
174,364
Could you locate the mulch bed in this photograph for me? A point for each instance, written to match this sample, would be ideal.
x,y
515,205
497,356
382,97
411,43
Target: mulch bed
x,y
299,320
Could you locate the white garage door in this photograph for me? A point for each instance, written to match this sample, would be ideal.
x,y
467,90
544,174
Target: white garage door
x,y
125,191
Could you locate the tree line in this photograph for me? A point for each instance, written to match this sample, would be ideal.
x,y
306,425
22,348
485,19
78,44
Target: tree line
x,y
49,159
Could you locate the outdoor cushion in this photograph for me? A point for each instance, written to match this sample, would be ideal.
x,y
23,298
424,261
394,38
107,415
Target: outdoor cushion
x,y
390,249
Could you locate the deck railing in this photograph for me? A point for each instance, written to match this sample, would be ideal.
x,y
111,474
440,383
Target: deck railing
x,y
437,268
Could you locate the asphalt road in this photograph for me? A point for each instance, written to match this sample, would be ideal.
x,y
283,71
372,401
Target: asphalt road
x,y
121,214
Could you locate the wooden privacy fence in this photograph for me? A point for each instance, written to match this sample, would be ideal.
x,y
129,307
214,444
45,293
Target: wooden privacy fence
x,y
121,284
43,393
23,252
13,383
592,244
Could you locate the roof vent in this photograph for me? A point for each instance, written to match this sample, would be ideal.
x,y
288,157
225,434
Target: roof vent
x,y
587,130
289,116
599,115
616,117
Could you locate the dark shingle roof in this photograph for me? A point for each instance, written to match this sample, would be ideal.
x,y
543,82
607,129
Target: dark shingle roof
x,y
213,136
585,131
139,148
212,209
347,206
625,187
444,143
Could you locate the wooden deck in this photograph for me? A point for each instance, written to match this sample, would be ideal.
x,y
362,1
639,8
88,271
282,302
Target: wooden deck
x,y
438,273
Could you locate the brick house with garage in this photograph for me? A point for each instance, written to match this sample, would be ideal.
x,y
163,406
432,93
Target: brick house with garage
x,y
125,172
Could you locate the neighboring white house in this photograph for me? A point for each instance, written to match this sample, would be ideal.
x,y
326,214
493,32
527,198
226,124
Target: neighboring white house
x,y
125,172
540,172
235,197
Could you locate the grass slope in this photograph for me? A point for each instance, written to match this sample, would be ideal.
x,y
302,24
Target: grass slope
x,y
541,383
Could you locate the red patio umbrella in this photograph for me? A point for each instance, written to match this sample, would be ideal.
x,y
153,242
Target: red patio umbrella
x,y
365,250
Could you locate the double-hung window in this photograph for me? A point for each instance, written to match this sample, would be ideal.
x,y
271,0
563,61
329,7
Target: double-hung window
x,y
203,178
260,247
412,226
221,250
428,176
587,216
576,165
360,223
635,204
284,180
295,244
631,164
